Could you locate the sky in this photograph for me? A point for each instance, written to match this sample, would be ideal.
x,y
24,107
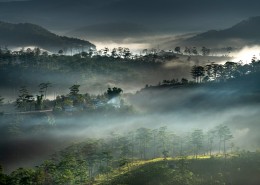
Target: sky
x,y
125,21
163,15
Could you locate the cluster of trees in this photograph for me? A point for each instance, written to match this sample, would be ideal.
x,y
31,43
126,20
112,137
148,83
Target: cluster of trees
x,y
216,73
25,65
221,73
204,51
173,82
81,163
27,102
30,54
74,101
192,50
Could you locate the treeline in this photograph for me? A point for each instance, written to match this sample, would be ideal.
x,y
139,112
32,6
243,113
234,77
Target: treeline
x,y
30,55
72,102
81,163
204,51
23,66
215,73
222,73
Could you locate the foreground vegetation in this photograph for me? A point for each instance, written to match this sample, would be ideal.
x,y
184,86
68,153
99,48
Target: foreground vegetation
x,y
119,158
239,169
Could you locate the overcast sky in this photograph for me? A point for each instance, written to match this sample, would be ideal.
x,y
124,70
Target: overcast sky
x,y
165,14
143,16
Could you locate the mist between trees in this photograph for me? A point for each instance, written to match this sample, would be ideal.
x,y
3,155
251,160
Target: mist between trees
x,y
39,126
82,162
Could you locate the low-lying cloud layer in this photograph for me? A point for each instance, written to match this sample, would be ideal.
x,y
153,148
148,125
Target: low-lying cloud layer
x,y
182,110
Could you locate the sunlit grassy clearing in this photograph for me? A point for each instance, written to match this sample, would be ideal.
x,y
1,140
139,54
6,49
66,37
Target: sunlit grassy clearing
x,y
100,179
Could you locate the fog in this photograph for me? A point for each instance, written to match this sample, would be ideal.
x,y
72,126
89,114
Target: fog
x,y
246,54
27,140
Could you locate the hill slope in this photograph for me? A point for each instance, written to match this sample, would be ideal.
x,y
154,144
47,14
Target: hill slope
x,y
243,33
238,170
25,34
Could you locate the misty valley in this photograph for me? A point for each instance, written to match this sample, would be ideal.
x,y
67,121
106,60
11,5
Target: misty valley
x,y
129,92
112,117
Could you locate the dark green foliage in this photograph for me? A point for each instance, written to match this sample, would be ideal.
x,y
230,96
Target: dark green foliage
x,y
82,163
154,174
216,73
30,69
4,179
22,176
39,102
114,92
184,81
44,87
25,100
177,49
74,90
215,171
240,170
197,73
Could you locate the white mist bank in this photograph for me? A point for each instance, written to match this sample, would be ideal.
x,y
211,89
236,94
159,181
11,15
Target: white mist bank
x,y
246,54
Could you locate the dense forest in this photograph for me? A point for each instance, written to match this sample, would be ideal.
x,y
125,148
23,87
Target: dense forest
x,y
113,137
31,67
24,67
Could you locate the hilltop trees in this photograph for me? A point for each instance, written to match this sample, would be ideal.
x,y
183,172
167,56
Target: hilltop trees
x,y
43,93
205,51
221,73
197,73
194,51
74,90
116,62
44,88
39,102
177,49
74,101
24,100
187,50
114,92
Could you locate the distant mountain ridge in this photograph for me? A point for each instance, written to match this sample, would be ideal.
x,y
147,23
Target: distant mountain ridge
x,y
26,34
111,31
246,32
